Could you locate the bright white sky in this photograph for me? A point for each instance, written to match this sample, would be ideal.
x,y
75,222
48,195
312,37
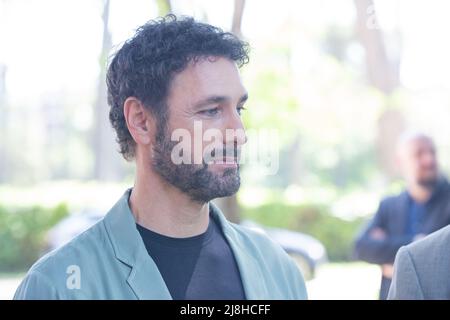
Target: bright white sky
x,y
48,45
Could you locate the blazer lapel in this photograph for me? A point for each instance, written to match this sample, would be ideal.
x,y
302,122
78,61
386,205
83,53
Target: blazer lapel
x,y
144,279
252,279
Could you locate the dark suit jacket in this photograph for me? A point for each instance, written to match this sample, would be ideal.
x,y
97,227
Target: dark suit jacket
x,y
392,217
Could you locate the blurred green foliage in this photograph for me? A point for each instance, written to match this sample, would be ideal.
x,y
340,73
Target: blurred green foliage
x,y
22,234
336,234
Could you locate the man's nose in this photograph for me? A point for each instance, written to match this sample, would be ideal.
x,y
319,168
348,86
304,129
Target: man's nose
x,y
235,130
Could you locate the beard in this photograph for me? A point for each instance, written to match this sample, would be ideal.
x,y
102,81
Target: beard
x,y
429,182
196,180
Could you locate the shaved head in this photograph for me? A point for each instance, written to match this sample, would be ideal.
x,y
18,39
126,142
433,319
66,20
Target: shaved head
x,y
417,158
410,137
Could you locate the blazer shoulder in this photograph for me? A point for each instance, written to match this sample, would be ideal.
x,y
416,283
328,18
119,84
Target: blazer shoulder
x,y
436,244
78,252
47,278
424,263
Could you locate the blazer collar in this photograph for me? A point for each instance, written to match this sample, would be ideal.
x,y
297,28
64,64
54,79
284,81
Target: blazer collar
x,y
145,278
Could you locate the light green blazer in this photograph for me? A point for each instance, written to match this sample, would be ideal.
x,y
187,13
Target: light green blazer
x,y
110,261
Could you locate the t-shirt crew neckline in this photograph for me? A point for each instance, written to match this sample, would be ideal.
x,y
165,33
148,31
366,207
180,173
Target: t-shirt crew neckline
x,y
201,239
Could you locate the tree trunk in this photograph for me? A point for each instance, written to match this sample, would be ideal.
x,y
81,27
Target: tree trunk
x,y
164,7
108,162
238,12
384,76
3,124
380,72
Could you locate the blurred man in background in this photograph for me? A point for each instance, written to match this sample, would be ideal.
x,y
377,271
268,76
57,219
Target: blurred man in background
x,y
421,209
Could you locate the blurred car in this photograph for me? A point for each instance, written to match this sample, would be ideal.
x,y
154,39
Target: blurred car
x,y
71,226
307,252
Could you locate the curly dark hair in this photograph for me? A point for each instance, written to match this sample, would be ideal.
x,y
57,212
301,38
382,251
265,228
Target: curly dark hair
x,y
146,63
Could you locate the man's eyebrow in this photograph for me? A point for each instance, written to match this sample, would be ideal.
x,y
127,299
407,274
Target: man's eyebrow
x,y
216,99
211,100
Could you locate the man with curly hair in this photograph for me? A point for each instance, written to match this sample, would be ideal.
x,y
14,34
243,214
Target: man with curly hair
x,y
175,79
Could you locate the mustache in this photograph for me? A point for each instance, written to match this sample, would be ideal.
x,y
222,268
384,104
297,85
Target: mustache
x,y
234,152
219,155
227,152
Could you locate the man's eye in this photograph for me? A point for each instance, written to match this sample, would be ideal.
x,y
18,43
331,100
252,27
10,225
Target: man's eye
x,y
239,109
210,112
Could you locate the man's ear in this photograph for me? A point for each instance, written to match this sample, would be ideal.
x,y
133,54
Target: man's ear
x,y
139,121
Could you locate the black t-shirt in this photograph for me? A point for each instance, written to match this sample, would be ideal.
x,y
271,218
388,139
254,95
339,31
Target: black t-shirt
x,y
196,268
